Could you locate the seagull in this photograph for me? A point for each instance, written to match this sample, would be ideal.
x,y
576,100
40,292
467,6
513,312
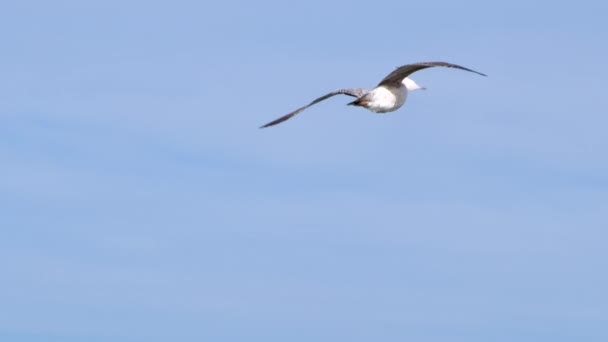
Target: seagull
x,y
388,96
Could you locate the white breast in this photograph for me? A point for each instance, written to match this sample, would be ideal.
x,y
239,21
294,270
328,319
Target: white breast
x,y
387,99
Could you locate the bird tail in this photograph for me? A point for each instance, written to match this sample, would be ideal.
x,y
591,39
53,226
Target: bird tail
x,y
360,102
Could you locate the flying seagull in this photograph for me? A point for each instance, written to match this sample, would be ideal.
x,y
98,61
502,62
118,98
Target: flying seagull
x,y
388,96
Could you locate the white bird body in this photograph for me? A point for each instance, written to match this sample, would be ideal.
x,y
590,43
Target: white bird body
x,y
388,96
383,99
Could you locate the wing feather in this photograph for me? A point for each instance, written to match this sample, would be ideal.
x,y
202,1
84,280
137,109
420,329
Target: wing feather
x,y
358,92
395,77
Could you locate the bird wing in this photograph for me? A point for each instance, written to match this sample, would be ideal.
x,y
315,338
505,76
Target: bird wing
x,y
358,92
395,77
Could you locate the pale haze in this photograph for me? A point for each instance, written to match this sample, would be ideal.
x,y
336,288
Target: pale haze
x,y
139,201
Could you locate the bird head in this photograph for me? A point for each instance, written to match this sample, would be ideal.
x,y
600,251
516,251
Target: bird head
x,y
411,85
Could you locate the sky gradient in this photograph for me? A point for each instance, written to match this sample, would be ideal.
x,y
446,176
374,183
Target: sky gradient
x,y
140,202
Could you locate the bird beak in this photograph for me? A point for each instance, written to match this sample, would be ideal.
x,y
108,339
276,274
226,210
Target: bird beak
x,y
422,88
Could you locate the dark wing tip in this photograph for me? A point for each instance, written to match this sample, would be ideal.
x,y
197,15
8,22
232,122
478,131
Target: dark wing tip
x,y
267,125
274,122
478,73
450,65
283,118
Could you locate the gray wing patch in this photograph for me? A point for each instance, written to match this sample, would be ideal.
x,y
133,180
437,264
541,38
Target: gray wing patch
x,y
358,92
404,71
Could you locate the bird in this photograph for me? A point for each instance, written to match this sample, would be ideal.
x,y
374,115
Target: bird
x,y
388,96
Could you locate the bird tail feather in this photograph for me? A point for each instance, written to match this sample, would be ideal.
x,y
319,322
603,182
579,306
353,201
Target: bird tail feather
x,y
360,102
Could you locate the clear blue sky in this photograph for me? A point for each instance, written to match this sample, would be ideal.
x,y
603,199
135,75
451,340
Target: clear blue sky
x,y
139,201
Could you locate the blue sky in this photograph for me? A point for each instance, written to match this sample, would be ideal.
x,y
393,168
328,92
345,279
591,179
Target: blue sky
x,y
139,201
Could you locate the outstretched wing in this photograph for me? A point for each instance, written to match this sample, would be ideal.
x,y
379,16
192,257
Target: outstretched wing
x,y
395,77
350,92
